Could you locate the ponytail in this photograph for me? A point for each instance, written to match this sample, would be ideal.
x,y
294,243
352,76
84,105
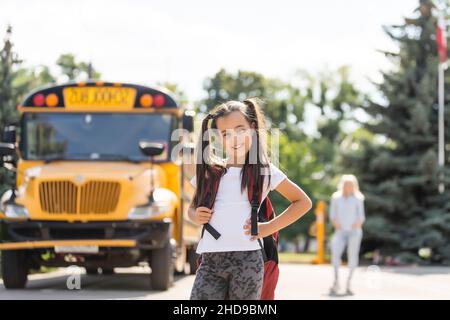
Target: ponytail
x,y
200,164
259,147
206,171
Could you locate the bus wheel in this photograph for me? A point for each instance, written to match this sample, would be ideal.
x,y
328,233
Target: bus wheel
x,y
192,260
91,271
162,266
107,271
14,269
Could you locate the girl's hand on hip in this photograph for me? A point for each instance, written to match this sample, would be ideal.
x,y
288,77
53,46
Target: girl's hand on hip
x,y
202,215
264,229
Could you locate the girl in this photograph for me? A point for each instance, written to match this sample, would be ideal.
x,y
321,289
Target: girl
x,y
232,265
347,215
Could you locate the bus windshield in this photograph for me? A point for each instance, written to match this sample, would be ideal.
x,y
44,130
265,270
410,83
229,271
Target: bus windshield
x,y
90,136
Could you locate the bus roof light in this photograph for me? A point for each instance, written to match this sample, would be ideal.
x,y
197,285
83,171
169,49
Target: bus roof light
x,y
51,100
146,100
159,100
38,100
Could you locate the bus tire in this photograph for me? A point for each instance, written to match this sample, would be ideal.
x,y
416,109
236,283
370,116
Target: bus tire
x,y
14,269
162,266
192,260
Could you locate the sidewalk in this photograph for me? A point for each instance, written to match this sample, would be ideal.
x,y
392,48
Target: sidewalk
x,y
297,281
313,282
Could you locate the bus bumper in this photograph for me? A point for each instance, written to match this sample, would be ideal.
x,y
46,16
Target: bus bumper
x,y
49,234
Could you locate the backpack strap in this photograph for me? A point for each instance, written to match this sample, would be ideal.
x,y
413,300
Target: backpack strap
x,y
208,202
255,204
216,234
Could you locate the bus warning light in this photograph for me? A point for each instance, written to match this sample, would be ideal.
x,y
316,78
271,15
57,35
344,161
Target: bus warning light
x,y
159,100
51,100
38,100
146,100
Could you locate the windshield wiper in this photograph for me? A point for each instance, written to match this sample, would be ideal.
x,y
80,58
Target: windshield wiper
x,y
89,156
114,156
58,157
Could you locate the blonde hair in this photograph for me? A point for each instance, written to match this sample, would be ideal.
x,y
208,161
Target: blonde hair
x,y
340,187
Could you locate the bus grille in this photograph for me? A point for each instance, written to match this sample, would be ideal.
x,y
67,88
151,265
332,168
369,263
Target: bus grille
x,y
66,197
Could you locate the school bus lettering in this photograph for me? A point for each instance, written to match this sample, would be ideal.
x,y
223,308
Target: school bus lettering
x,y
107,97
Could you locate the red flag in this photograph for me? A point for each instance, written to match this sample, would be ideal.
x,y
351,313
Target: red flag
x,y
441,39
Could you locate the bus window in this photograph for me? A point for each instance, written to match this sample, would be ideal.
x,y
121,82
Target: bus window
x,y
88,136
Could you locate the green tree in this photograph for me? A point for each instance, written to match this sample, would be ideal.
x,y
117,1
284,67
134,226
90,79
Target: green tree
x,y
332,92
10,92
76,70
9,60
395,157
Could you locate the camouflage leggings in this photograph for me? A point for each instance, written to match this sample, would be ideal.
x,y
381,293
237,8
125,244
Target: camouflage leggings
x,y
233,275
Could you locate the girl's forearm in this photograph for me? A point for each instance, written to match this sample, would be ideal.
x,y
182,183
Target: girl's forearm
x,y
295,211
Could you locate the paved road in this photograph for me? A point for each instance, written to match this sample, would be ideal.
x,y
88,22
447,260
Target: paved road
x,y
296,282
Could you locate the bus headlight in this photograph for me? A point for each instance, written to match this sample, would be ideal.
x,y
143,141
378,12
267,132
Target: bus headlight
x,y
148,211
16,211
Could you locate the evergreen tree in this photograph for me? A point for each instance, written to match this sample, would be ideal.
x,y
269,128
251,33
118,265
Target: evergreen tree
x,y
394,155
8,74
9,97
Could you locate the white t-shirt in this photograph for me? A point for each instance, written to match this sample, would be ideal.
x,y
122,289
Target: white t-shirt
x,y
347,210
231,210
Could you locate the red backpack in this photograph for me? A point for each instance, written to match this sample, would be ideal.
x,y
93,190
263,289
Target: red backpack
x,y
262,212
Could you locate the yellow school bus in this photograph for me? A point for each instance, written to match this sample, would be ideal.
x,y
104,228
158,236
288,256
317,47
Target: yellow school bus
x,y
98,183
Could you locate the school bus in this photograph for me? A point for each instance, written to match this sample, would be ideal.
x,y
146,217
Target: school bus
x,y
96,183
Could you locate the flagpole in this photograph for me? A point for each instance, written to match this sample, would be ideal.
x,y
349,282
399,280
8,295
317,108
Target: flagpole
x,y
441,154
441,39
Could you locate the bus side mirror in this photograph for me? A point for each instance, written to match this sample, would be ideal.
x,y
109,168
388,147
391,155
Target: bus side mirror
x,y
151,149
7,149
188,120
9,134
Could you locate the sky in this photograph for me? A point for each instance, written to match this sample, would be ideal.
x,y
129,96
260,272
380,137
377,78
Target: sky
x,y
185,42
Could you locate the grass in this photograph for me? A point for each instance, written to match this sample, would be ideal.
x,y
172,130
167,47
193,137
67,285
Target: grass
x,y
293,257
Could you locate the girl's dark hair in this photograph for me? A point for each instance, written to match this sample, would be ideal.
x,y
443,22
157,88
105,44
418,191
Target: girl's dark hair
x,y
208,167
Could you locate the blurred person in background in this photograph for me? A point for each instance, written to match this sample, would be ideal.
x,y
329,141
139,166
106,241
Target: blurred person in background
x,y
347,216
